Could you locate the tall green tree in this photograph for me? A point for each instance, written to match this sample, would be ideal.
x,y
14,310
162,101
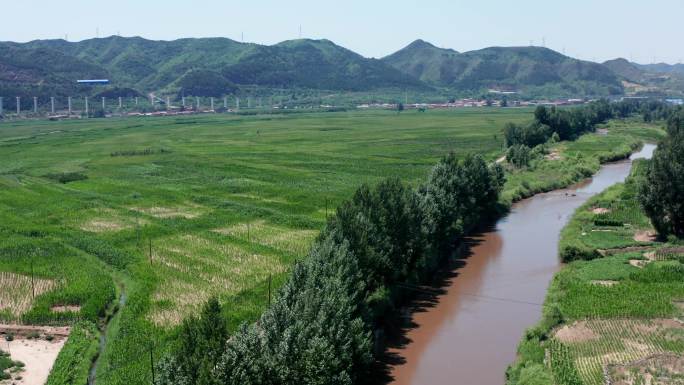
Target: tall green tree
x,y
662,191
200,346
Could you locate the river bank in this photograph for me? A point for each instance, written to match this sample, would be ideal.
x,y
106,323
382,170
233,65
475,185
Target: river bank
x,y
470,330
616,318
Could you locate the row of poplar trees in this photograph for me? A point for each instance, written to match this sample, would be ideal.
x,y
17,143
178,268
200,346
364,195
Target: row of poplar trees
x,y
661,192
321,329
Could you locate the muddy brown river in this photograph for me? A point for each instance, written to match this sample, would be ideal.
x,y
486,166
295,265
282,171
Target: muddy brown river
x,y
471,333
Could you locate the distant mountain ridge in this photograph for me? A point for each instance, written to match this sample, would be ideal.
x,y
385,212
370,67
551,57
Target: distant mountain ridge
x,y
221,66
514,68
649,79
171,65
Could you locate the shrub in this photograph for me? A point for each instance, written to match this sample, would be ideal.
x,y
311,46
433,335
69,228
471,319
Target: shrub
x,y
66,177
577,252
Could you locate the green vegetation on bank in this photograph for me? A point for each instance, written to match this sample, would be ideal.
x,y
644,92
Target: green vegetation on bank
x,y
611,312
73,363
551,152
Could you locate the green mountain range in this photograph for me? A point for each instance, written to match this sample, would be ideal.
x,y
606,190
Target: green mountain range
x,y
649,79
200,67
532,70
220,66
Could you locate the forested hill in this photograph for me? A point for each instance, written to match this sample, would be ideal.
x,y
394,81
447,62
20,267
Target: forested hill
x,y
531,69
649,78
202,67
220,66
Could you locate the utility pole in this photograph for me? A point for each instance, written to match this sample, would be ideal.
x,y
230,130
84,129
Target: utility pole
x,y
52,104
168,103
237,103
120,102
33,286
86,106
103,104
270,277
18,105
183,101
152,364
35,105
69,104
249,102
197,100
211,101
225,102
136,100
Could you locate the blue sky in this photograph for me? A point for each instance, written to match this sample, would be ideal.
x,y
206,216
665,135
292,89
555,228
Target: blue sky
x,y
600,29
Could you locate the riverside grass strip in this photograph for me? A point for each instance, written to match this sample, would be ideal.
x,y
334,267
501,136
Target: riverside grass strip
x,y
193,202
603,327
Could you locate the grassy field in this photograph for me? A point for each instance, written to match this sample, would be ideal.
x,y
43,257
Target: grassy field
x,y
162,213
169,211
618,314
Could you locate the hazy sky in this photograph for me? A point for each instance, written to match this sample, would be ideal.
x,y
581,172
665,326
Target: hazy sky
x,y
589,29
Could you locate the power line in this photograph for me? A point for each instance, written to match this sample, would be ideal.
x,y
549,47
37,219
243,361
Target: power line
x,y
480,296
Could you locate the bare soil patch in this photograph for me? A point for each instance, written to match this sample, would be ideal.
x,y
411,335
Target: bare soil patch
x,y
645,236
189,211
66,308
37,354
640,263
577,332
554,155
600,210
103,225
602,131
606,283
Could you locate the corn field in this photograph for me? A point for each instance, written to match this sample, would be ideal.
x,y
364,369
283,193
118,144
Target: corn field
x,y
621,341
622,213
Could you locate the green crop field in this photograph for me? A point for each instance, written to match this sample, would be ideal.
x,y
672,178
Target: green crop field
x,y
140,220
164,212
